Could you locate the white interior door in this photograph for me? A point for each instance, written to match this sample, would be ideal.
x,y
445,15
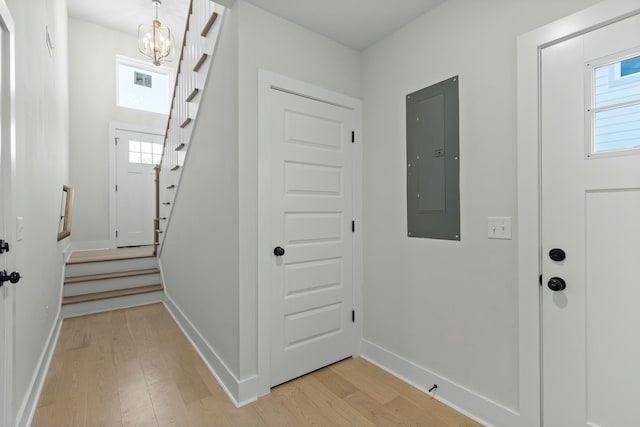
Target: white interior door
x,y
590,210
136,155
7,173
311,199
3,236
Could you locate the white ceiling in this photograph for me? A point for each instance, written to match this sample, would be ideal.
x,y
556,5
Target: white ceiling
x,y
354,23
126,15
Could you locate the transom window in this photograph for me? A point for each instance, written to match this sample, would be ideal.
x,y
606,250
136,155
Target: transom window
x,y
144,153
613,110
141,86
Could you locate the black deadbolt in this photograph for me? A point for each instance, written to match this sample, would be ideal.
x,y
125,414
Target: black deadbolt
x,y
13,277
557,284
278,251
4,246
557,254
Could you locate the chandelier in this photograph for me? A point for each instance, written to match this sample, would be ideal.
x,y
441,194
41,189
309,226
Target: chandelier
x,y
154,41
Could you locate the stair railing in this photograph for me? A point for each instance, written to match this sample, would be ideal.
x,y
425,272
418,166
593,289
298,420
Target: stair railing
x,y
198,45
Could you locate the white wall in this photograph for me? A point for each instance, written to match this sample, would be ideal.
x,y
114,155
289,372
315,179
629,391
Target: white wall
x,y
271,43
42,135
200,253
449,307
209,257
92,99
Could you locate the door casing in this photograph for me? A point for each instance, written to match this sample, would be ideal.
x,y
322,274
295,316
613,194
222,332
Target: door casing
x,y
7,181
267,82
530,46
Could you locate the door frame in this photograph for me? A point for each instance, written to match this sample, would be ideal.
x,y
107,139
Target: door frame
x,y
113,128
268,81
529,166
7,180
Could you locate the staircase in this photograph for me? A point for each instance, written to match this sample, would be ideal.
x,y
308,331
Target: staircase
x,y
103,280
200,38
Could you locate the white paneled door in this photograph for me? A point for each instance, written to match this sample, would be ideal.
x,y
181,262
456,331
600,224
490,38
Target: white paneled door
x,y
311,199
7,235
3,236
136,155
591,228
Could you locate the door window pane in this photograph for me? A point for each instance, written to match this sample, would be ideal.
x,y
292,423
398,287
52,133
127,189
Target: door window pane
x,y
146,153
615,111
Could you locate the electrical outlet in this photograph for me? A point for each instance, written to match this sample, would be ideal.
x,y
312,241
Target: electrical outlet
x,y
499,228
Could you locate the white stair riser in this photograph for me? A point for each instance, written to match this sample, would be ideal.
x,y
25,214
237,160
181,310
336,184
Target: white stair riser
x,y
85,269
90,307
94,286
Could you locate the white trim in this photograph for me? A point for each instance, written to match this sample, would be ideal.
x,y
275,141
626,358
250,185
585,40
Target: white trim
x,y
240,392
456,396
530,46
8,180
30,402
266,82
113,128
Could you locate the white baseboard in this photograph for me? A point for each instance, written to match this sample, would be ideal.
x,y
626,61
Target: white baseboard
x,y
241,392
456,396
30,402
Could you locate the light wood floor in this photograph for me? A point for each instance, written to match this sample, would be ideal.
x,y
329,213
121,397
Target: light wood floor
x,y
134,367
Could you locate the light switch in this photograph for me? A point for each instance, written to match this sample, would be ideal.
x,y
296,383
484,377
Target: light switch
x,y
499,228
19,228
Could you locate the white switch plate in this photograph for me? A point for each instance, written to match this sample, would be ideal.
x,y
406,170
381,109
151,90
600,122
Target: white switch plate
x,y
499,228
19,228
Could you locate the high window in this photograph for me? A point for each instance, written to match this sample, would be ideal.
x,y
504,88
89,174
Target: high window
x,y
141,86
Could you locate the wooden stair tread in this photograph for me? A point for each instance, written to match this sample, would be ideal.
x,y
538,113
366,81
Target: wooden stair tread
x,y
110,294
209,24
81,257
115,275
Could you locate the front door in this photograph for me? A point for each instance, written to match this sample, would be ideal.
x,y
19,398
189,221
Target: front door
x,y
311,201
591,228
136,155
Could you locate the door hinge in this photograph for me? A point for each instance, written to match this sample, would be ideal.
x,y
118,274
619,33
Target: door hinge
x,y
353,316
540,279
116,234
353,136
353,226
116,138
116,188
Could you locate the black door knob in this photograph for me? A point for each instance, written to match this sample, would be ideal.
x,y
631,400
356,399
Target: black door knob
x,y
278,251
13,277
557,284
557,254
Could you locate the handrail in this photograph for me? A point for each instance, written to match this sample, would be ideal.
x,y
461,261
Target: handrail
x,y
156,219
175,83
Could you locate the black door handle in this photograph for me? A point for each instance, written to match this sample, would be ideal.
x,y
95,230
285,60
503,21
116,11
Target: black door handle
x,y
278,251
557,254
13,277
557,284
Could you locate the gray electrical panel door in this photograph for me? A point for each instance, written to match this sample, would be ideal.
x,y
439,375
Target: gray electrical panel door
x,y
433,162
